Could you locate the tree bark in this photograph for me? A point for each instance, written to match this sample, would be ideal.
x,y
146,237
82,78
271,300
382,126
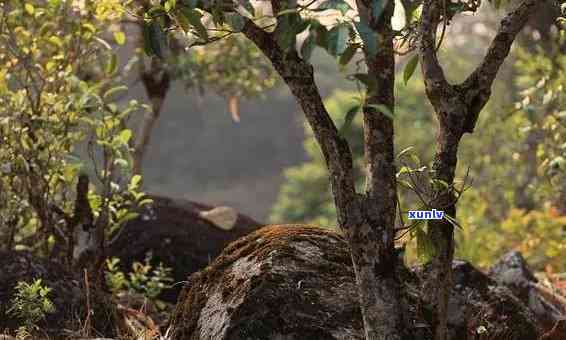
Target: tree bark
x,y
380,201
457,108
368,234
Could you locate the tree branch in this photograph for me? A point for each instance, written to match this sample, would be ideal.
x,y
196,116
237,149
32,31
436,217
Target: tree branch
x,y
298,74
433,73
477,87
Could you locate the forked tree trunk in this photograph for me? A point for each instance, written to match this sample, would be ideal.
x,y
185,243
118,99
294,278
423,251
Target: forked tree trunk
x,y
366,219
457,108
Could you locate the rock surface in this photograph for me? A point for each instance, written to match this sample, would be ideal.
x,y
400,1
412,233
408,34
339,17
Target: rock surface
x,y
175,232
296,282
512,271
67,295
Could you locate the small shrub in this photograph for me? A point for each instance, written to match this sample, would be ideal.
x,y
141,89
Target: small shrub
x,y
30,304
144,278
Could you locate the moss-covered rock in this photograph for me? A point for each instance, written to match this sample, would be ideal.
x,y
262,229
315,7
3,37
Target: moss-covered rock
x,y
297,282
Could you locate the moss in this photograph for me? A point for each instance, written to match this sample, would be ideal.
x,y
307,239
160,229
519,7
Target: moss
x,y
257,246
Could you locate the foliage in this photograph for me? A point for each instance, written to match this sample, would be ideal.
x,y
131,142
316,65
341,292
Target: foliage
x,y
330,25
144,278
542,77
228,64
58,94
232,66
31,304
491,214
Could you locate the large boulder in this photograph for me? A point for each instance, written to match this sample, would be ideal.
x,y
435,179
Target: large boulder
x,y
479,308
68,295
297,282
513,271
184,235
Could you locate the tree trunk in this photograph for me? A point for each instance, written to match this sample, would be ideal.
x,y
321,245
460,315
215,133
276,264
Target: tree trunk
x,y
457,108
380,201
368,233
441,232
156,82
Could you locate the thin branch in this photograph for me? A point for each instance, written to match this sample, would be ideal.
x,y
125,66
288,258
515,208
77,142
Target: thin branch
x,y
478,84
298,74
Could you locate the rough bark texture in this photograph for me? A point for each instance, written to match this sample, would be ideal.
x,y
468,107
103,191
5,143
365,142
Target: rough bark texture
x,y
457,108
297,282
380,200
67,294
368,235
175,233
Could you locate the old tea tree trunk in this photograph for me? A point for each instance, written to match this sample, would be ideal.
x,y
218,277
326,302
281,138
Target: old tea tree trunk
x,y
366,219
457,108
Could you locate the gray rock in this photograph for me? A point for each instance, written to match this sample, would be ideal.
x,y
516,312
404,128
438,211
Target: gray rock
x,y
297,282
512,271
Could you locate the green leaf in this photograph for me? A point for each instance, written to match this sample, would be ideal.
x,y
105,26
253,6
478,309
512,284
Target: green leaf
x,y
339,5
155,40
112,65
183,22
88,26
405,151
308,47
134,182
123,137
114,90
48,27
348,54
156,11
368,37
337,39
403,170
55,40
193,16
29,8
557,162
169,5
425,247
383,109
410,68
120,37
288,26
350,115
